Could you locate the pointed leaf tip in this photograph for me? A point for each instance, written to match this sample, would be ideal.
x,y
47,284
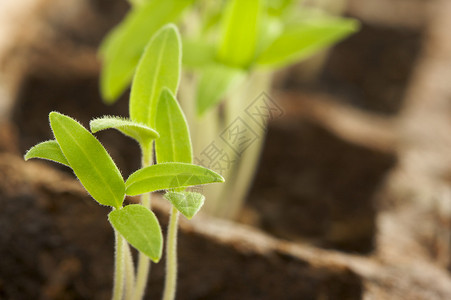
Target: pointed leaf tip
x,y
49,150
159,67
187,203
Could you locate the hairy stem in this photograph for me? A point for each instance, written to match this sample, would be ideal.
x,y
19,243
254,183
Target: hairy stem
x,y
129,273
118,289
143,269
170,284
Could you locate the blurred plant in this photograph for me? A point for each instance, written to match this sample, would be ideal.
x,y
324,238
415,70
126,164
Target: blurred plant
x,y
78,149
232,48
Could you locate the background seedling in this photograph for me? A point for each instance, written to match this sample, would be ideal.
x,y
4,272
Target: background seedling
x,y
232,47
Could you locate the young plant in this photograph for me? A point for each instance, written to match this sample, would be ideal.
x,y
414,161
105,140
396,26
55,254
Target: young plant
x,y
153,104
78,149
233,47
158,67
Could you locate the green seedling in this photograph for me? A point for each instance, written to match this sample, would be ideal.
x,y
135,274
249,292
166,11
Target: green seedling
x,y
78,149
153,105
154,72
226,44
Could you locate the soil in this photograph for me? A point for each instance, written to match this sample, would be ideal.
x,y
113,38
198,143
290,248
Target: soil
x,y
59,246
321,189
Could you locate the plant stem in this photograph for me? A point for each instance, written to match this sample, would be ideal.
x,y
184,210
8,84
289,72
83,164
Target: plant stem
x,y
170,284
241,174
129,273
143,261
118,289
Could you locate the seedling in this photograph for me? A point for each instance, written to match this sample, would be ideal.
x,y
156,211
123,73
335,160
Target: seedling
x,y
249,35
78,149
156,72
153,105
233,47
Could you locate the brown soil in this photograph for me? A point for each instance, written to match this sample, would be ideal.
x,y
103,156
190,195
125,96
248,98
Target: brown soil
x,y
59,245
320,189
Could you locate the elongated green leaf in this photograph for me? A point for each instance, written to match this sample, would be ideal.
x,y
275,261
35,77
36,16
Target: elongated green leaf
x,y
140,132
301,40
240,29
49,150
159,67
197,54
174,145
139,226
188,203
167,176
215,82
122,48
89,160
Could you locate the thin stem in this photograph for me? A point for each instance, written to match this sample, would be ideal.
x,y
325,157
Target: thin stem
x,y
170,284
129,273
118,289
239,177
143,269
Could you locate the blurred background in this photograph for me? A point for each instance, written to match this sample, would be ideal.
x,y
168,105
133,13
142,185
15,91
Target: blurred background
x,y
356,162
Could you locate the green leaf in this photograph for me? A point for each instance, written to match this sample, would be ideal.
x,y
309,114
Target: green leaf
x,y
168,176
240,29
188,203
122,48
215,82
49,150
301,40
280,7
139,226
140,132
89,160
197,53
159,67
174,145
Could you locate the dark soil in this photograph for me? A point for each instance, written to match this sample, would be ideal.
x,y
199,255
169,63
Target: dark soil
x,y
60,246
318,188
